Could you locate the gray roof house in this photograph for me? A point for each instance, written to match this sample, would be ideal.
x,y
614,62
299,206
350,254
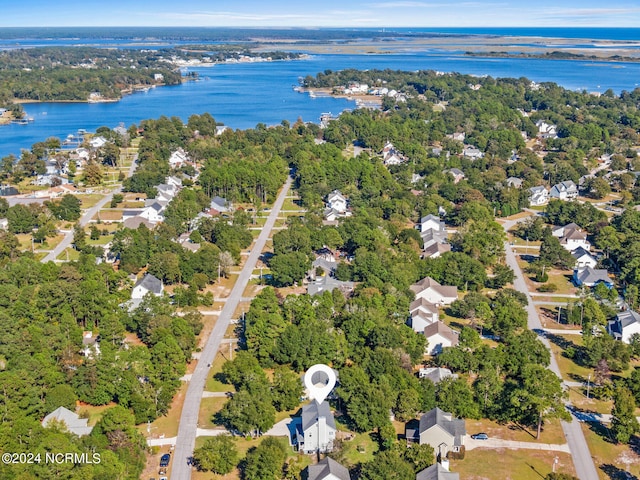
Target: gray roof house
x,y
316,428
71,420
538,195
439,335
147,284
584,258
329,283
566,190
625,325
514,182
590,277
327,469
440,430
221,204
436,374
437,472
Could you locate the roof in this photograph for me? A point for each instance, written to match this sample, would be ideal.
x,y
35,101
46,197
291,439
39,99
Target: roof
x,y
454,426
335,195
135,222
435,248
329,283
442,329
456,171
581,252
627,318
150,283
428,282
73,422
537,190
565,186
312,411
436,472
436,374
430,217
423,304
590,276
514,182
326,467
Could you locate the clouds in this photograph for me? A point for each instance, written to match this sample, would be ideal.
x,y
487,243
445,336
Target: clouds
x,y
329,13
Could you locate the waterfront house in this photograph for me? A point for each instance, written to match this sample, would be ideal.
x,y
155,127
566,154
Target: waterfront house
x,y
433,292
590,277
97,142
315,429
440,430
327,469
566,190
439,336
538,196
73,423
625,325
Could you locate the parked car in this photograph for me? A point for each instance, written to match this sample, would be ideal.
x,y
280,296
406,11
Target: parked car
x,y
480,436
165,459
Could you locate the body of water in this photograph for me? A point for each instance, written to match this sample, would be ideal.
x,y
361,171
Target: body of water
x,y
243,95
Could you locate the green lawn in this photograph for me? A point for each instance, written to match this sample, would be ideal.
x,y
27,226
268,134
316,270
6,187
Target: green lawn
x,y
90,200
509,464
611,459
360,449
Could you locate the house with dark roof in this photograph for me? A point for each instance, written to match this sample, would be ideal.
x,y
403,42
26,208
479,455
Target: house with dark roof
x,y
439,335
458,175
440,430
437,472
220,204
147,284
73,423
315,428
590,277
433,292
625,325
329,283
584,258
327,469
435,249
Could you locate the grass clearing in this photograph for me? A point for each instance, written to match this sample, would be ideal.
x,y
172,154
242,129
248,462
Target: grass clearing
x,y
108,215
360,449
208,408
510,464
611,460
551,431
90,199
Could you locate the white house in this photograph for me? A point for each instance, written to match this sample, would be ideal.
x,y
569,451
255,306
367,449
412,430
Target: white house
x,y
70,420
514,182
316,429
97,142
538,196
584,258
436,374
566,190
337,202
432,222
439,336
571,237
472,152
147,284
546,130
178,158
422,314
433,292
625,325
153,213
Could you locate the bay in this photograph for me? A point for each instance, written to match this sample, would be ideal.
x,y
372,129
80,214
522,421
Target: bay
x,y
245,94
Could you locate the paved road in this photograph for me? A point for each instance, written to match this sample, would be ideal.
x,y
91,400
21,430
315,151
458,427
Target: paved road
x,y
471,444
582,460
86,218
189,417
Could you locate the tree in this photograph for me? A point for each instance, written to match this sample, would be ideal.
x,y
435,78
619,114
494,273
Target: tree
x,y
552,253
92,174
289,268
386,465
266,461
68,208
624,423
287,389
249,412
218,455
539,396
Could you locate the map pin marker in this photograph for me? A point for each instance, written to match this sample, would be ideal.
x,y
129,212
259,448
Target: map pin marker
x,y
319,380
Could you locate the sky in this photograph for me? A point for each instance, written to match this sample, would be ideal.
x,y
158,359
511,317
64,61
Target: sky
x,y
326,13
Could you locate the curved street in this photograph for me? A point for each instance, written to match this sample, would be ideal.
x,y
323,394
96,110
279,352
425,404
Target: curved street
x,y
185,443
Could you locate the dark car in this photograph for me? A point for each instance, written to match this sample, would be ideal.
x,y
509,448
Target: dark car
x,y
165,459
480,436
